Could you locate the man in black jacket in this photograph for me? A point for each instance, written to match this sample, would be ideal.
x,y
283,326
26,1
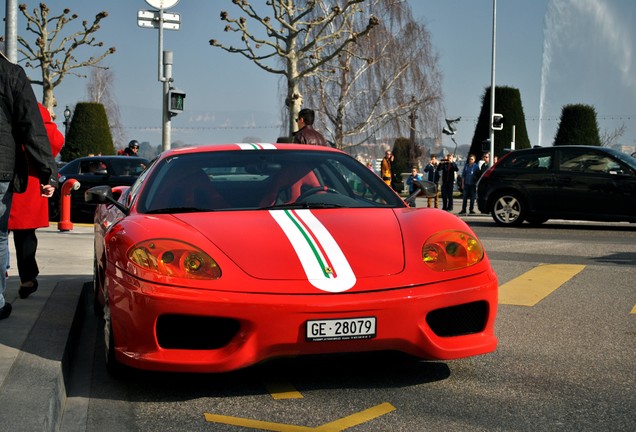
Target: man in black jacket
x,y
23,142
306,133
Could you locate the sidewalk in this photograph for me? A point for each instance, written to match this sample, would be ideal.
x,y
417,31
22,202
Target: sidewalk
x,y
35,341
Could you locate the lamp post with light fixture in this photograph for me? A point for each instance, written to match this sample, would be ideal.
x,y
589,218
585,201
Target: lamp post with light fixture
x,y
67,120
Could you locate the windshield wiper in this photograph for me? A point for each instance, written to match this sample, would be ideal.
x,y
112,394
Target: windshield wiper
x,y
180,210
300,205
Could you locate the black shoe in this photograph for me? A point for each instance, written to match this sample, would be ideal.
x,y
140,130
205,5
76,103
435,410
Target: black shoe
x,y
26,291
472,212
463,212
5,311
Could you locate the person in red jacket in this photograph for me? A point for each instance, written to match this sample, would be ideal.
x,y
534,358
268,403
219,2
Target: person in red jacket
x,y
29,211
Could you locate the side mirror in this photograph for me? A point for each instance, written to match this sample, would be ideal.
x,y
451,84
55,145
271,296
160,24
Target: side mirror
x,y
425,188
104,195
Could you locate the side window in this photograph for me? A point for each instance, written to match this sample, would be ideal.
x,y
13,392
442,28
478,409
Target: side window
x,y
587,161
538,160
93,167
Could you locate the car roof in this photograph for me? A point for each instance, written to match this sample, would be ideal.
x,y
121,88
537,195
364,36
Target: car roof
x,y
246,146
108,157
540,148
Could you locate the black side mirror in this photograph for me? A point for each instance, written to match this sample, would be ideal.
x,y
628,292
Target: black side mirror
x,y
104,195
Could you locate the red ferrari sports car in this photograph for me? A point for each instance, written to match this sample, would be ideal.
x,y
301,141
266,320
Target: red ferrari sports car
x,y
222,256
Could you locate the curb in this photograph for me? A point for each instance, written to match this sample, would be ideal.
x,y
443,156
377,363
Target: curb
x,y
33,394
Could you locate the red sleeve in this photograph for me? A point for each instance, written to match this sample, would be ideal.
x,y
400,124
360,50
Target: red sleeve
x,y
55,136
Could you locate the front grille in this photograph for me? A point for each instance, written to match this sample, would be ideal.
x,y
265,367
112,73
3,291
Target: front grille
x,y
458,320
195,332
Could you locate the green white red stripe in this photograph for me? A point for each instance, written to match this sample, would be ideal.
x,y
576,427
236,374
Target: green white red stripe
x,y
257,146
322,259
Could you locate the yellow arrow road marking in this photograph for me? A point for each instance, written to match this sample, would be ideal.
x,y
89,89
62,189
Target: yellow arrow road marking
x,y
634,310
357,418
282,390
336,426
535,285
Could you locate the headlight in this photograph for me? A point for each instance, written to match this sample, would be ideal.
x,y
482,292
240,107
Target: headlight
x,y
174,258
452,250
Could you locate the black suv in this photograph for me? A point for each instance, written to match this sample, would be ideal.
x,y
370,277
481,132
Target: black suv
x,y
560,182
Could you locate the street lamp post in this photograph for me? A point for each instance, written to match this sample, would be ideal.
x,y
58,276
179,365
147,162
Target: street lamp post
x,y
67,120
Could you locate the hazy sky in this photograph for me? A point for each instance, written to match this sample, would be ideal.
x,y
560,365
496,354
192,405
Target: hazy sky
x,y
555,52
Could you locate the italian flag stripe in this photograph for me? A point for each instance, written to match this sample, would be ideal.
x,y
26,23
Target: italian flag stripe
x,y
311,241
257,146
322,259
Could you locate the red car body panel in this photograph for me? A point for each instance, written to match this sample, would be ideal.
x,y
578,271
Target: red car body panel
x,y
269,293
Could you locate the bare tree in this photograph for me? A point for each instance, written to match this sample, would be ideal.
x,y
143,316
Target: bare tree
x,y
53,52
375,86
100,90
293,41
610,138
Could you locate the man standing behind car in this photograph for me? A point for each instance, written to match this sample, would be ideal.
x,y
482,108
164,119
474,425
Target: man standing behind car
x,y
22,137
447,167
433,176
306,133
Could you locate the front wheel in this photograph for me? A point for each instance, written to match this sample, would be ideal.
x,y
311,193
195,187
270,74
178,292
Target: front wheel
x,y
113,366
508,210
97,290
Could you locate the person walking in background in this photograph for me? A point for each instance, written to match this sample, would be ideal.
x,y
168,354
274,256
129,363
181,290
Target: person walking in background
x,y
410,182
29,211
306,133
385,167
432,175
22,136
470,175
447,169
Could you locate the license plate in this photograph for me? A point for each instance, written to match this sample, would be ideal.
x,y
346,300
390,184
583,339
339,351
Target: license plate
x,y
341,329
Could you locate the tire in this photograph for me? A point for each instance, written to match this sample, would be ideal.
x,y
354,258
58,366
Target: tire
x,y
113,367
97,290
508,209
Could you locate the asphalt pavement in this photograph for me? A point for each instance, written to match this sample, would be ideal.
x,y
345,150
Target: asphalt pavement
x,y
37,341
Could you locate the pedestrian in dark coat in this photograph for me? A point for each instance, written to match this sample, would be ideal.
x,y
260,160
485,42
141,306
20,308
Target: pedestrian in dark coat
x,y
447,168
22,137
29,211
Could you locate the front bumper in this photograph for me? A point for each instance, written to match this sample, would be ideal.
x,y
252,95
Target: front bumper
x,y
159,327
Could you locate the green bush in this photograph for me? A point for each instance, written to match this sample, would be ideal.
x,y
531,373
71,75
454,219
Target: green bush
x,y
578,126
88,132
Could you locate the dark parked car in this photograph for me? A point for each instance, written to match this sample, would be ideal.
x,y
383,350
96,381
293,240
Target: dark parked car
x,y
560,182
94,171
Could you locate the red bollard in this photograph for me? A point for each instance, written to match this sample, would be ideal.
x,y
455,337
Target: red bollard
x,y
65,223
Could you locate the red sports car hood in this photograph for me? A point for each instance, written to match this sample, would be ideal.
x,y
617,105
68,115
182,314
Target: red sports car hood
x,y
329,248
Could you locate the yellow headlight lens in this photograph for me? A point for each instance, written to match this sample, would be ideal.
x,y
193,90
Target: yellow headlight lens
x,y
452,250
174,258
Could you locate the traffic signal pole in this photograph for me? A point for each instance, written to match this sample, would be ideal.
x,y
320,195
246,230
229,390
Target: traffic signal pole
x,y
167,124
492,83
162,20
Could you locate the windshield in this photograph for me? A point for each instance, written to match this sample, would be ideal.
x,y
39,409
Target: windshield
x,y
248,180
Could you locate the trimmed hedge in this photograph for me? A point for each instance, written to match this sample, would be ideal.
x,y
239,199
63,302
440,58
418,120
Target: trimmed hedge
x,y
88,132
